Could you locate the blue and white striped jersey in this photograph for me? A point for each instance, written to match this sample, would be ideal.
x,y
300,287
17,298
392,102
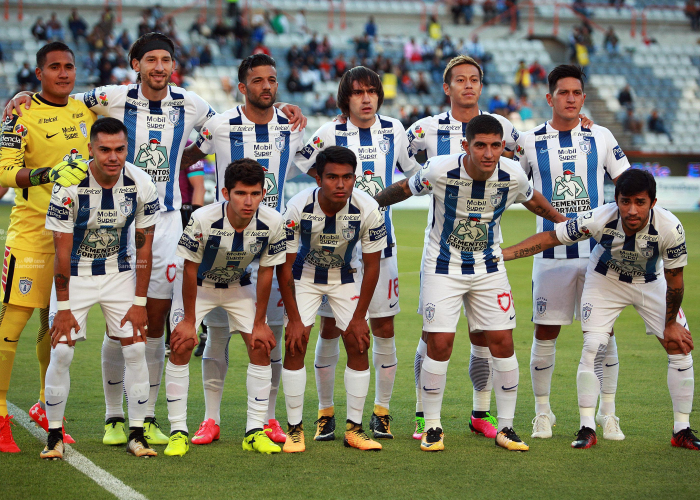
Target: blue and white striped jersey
x,y
232,136
569,169
324,245
441,134
158,130
100,218
639,258
224,254
465,232
379,150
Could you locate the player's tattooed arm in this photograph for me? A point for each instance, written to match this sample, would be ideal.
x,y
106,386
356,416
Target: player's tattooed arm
x,y
539,205
676,338
191,155
141,234
534,244
395,193
144,258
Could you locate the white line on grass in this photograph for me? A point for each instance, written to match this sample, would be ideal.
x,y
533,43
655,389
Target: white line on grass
x,y
79,461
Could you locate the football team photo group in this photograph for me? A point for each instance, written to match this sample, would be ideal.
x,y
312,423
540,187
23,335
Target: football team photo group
x,y
104,212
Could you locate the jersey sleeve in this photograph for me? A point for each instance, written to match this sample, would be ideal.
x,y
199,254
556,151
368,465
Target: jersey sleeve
x,y
292,220
59,216
305,159
148,206
510,133
12,147
421,183
579,229
191,245
520,155
373,236
205,140
204,110
525,191
97,100
405,161
616,161
674,253
276,252
416,138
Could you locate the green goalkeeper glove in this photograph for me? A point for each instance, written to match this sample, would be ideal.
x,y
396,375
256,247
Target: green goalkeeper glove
x,y
68,173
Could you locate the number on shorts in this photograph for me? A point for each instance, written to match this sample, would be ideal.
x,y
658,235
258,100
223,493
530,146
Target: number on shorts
x,y
393,286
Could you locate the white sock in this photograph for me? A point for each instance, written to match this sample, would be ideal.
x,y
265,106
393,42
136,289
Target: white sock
x,y
136,382
385,362
325,361
258,384
608,384
681,385
506,376
294,385
480,368
433,377
542,359
421,352
356,389
177,384
113,377
58,376
276,364
592,354
155,358
214,368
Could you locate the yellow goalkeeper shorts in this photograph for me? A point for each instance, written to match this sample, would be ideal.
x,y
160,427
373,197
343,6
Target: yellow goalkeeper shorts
x,y
26,278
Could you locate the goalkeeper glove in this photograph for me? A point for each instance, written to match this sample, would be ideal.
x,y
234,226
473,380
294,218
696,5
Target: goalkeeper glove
x,y
68,173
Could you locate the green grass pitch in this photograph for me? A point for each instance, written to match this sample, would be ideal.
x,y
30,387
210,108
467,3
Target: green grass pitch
x,y
644,464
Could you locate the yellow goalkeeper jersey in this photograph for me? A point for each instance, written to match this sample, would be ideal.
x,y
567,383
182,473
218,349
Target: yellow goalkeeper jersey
x,y
43,136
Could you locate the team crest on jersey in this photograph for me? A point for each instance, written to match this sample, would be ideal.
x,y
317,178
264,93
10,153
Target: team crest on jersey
x,y
541,306
126,207
256,246
496,199
280,143
585,146
586,311
174,115
25,285
647,252
99,243
178,315
569,194
429,312
83,129
153,158
383,146
469,236
348,233
369,183
324,258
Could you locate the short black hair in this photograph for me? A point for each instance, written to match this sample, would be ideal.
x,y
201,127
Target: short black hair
x,y
51,47
565,71
251,62
135,52
364,76
246,171
633,181
335,154
483,124
109,126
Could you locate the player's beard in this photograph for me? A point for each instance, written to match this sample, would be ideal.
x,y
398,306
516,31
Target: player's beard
x,y
148,81
259,103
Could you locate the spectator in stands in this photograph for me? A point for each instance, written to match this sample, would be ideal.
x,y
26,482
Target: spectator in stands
x,y
331,106
233,11
579,7
39,30
522,79
496,105
105,70
489,8
293,83
54,28
693,13
422,85
280,22
124,40
308,78
221,32
462,8
293,55
120,74
300,25
241,36
611,41
525,108
427,51
193,57
408,86
26,78
325,67
363,46
2,54
205,56
656,125
625,97
107,20
447,47
341,66
537,73
324,48
371,29
258,34
200,27
260,48
434,28
632,123
411,51
144,25
474,48
512,12
77,26
436,70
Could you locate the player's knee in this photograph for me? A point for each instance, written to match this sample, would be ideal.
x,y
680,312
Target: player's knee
x,y
382,327
62,355
328,328
478,338
181,355
134,353
593,344
258,356
439,350
547,332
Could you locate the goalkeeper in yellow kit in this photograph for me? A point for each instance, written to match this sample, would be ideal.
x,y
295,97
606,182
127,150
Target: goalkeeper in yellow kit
x,y
45,145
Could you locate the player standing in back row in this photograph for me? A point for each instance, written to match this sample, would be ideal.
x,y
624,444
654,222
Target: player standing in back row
x,y
380,144
567,163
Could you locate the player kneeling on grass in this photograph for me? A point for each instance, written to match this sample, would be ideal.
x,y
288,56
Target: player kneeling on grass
x,y
93,265
636,242
219,245
324,225
462,267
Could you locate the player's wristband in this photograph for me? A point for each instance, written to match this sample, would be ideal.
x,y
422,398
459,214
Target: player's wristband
x,y
196,207
63,305
39,176
140,301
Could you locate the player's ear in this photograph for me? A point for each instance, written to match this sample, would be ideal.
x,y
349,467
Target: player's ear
x,y
226,194
549,100
446,88
652,204
242,88
90,149
465,145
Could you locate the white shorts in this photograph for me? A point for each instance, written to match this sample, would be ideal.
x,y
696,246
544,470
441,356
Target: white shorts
x,y
604,299
487,301
115,294
342,299
236,302
164,269
385,301
557,285
275,308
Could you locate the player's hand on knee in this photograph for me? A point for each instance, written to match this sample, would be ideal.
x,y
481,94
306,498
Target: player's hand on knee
x,y
360,332
294,337
63,323
138,317
183,333
677,337
262,337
